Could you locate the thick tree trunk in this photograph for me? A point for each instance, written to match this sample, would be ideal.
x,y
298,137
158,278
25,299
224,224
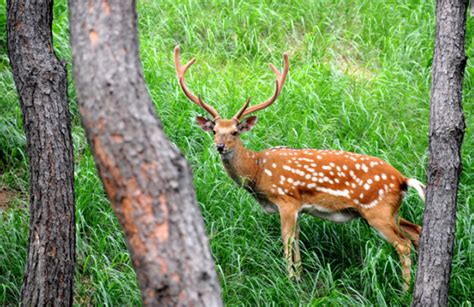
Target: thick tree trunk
x,y
444,166
41,82
145,176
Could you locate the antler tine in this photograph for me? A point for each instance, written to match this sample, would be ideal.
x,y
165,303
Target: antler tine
x,y
181,72
237,116
280,81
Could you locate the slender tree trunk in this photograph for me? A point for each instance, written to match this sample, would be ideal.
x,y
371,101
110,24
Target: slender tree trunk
x,y
41,83
444,166
147,180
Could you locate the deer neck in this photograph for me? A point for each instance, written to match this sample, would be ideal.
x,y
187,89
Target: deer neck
x,y
242,165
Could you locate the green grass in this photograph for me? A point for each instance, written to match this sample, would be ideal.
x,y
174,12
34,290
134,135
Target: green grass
x,y
359,81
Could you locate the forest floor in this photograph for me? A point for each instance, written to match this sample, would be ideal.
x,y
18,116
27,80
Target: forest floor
x,y
359,81
6,197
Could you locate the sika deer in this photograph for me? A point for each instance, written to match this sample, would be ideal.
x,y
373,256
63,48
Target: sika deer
x,y
330,184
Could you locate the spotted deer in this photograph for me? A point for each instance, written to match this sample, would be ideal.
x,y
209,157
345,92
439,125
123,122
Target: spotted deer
x,y
330,184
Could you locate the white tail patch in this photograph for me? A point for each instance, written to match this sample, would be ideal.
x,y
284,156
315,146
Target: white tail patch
x,y
418,186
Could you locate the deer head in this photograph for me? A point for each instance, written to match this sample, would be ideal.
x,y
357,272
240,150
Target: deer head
x,y
227,131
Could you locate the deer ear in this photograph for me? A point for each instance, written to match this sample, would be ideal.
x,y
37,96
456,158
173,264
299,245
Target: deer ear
x,y
247,124
204,123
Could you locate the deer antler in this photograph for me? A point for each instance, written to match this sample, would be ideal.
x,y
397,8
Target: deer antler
x,y
241,111
180,72
280,81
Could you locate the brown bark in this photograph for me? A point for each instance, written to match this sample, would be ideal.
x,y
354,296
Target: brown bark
x,y
444,166
41,83
147,180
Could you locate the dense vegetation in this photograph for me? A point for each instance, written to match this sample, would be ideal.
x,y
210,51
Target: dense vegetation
x,y
359,81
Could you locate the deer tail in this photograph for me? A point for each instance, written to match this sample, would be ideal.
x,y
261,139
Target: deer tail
x,y
418,186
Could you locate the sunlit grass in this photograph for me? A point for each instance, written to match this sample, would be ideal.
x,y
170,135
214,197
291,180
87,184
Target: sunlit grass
x,y
359,81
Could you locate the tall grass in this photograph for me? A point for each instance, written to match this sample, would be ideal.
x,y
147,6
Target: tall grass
x,y
359,81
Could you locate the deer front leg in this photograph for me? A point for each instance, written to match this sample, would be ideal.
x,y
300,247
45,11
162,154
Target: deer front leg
x,y
290,235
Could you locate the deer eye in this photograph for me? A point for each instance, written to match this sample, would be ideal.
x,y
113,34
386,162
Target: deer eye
x,y
234,133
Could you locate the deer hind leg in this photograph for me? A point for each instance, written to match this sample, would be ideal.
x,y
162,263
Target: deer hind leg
x,y
411,230
390,231
290,236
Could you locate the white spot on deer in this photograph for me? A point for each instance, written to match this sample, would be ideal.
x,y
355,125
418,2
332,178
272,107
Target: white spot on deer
x,y
357,165
308,176
274,165
353,185
367,186
280,191
290,180
384,177
392,185
311,185
336,180
332,164
347,183
338,168
381,192
377,178
286,167
282,178
326,167
345,167
343,193
393,177
314,178
319,157
369,205
369,181
364,168
361,196
313,164
268,172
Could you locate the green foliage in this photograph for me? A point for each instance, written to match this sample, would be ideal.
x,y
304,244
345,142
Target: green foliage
x,y
359,81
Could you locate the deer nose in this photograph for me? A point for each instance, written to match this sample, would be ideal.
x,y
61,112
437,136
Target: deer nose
x,y
220,147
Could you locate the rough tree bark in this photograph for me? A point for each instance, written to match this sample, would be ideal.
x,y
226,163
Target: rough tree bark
x,y
41,83
147,180
444,166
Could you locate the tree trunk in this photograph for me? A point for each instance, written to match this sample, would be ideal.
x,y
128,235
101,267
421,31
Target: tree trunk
x,y
147,180
444,166
41,83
